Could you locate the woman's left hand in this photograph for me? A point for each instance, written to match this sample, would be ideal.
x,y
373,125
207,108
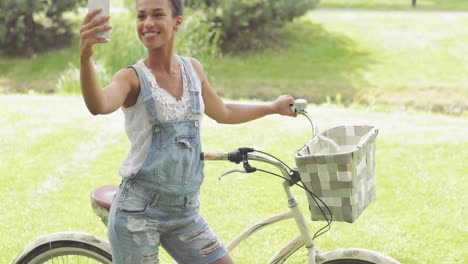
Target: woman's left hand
x,y
282,105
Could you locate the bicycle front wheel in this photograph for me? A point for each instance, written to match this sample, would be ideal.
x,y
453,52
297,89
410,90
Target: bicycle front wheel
x,y
354,256
66,248
348,261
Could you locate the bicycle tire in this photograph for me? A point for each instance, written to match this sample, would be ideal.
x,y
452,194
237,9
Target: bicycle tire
x,y
348,261
66,251
354,256
65,247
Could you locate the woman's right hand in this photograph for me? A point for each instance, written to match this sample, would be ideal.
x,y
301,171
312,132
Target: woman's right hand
x,y
88,30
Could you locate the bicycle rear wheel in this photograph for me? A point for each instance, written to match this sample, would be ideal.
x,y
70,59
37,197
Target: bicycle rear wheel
x,y
65,248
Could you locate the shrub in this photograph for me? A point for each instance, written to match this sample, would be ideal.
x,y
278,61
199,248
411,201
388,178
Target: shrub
x,y
33,26
69,81
247,24
196,38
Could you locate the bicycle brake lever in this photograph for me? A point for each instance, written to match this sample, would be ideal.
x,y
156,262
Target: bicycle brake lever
x,y
232,171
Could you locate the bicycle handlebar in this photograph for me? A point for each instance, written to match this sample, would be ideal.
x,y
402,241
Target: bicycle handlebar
x,y
236,156
299,107
245,154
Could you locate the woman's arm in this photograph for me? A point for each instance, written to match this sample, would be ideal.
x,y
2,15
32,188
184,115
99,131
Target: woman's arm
x,y
121,91
117,93
235,113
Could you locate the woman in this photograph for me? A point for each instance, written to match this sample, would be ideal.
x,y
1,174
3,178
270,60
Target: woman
x,y
163,98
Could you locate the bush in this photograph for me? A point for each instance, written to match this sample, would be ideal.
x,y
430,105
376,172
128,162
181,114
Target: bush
x,y
33,26
247,24
196,38
69,81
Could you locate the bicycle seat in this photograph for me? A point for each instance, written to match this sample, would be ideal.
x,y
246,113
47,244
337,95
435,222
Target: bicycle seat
x,y
103,196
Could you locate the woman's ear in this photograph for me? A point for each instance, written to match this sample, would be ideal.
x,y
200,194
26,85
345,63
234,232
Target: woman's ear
x,y
178,23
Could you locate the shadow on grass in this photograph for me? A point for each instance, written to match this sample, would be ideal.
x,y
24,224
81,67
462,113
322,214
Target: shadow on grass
x,y
307,61
333,64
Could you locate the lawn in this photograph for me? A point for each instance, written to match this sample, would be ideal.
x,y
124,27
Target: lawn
x,y
53,153
451,5
403,58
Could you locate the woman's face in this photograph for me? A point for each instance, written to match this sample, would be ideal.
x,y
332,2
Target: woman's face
x,y
156,24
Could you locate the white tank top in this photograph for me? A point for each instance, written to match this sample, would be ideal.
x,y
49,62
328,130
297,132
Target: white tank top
x,y
137,127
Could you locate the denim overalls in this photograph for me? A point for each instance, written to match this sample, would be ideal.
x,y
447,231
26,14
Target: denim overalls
x,y
159,204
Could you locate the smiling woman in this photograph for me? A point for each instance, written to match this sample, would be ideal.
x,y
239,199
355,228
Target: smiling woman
x,y
157,24
163,97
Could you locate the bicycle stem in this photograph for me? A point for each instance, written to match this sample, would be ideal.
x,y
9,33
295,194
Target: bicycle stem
x,y
312,122
299,107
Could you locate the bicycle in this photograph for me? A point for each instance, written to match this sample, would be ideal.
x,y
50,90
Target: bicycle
x,y
73,247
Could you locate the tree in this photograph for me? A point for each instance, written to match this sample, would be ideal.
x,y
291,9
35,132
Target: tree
x,y
29,26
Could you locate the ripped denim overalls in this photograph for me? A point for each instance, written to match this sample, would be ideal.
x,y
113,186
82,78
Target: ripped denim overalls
x,y
159,204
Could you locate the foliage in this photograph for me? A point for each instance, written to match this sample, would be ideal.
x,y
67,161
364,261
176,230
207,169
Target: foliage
x,y
196,38
248,24
69,81
34,26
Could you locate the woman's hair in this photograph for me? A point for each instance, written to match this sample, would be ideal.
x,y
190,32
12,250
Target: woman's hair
x,y
177,7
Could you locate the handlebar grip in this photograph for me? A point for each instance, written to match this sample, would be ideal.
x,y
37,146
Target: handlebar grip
x,y
236,156
298,106
214,156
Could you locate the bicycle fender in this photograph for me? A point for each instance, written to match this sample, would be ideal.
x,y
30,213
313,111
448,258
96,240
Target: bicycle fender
x,y
355,253
63,236
287,250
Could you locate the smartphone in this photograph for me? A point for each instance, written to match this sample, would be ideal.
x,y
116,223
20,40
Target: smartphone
x,y
105,6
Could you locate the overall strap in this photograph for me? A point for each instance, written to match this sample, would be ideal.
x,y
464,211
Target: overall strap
x,y
145,90
192,79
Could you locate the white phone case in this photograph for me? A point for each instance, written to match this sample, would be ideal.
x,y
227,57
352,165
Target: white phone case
x,y
105,5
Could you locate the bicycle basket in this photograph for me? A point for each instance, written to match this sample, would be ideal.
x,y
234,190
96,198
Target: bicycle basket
x,y
338,166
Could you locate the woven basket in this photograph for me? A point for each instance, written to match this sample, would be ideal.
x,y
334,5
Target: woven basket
x,y
338,167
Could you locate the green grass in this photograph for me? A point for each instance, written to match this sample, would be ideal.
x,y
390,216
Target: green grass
x,y
454,5
53,153
410,59
39,73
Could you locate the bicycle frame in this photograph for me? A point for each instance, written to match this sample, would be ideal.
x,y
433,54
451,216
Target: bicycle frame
x,y
314,256
294,212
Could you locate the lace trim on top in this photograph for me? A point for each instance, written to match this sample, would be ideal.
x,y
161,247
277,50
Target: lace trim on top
x,y
168,107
